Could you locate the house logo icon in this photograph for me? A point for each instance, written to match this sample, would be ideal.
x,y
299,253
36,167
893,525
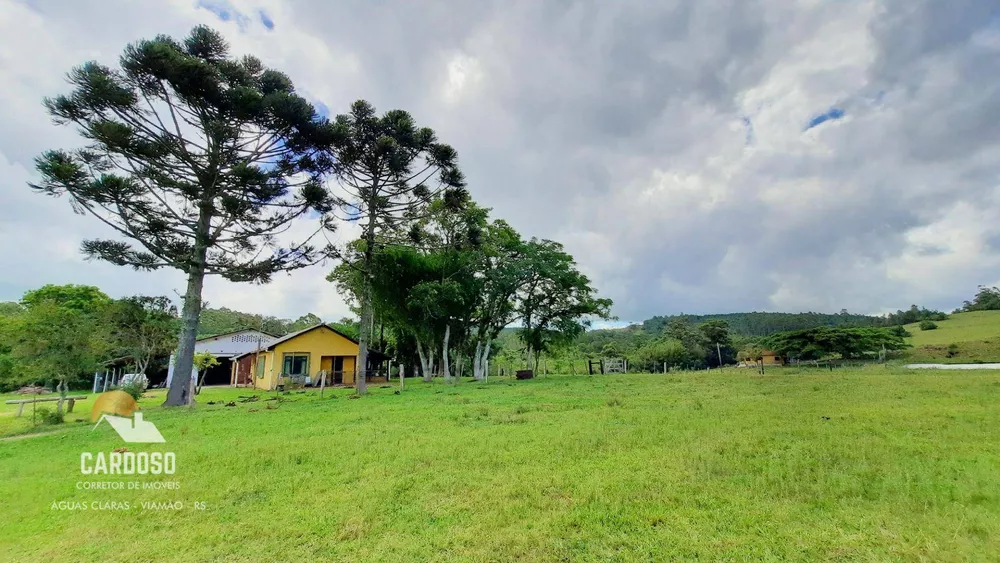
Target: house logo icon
x,y
121,411
134,429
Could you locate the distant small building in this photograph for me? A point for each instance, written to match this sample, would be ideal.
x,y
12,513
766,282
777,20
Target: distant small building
x,y
767,357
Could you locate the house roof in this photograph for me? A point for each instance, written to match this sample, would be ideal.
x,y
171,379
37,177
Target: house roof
x,y
288,337
235,332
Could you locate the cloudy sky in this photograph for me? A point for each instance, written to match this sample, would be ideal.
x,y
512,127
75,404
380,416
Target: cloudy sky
x,y
694,155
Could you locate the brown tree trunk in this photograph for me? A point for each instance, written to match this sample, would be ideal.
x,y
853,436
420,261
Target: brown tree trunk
x,y
181,390
179,393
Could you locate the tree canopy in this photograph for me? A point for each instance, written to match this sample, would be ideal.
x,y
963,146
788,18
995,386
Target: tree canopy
x,y
387,168
986,299
195,161
823,342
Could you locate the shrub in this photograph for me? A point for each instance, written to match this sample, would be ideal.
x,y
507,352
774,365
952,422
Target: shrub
x,y
927,325
899,331
952,350
135,388
49,416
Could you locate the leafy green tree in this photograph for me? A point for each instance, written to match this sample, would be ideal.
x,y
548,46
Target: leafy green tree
x,y
193,157
395,274
388,168
504,270
203,361
85,298
717,342
557,302
682,330
141,329
611,350
9,314
10,308
347,326
669,352
758,324
53,341
817,343
986,299
449,233
304,322
223,320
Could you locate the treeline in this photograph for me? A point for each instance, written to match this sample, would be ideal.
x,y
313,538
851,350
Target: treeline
x,y
224,320
844,342
682,343
759,324
442,291
763,324
986,299
59,335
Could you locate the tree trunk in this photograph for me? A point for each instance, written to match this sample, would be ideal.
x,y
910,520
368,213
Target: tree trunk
x,y
482,359
360,381
179,393
486,356
477,364
61,387
425,365
445,363
459,366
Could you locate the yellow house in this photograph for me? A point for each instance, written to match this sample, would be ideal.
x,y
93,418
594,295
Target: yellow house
x,y
769,358
750,357
307,352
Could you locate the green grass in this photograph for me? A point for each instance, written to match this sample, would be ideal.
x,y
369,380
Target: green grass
x,y
976,335
873,464
960,327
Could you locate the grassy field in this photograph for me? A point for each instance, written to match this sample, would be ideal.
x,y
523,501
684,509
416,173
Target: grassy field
x,y
874,464
976,336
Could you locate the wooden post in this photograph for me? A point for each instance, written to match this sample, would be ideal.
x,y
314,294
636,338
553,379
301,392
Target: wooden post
x,y
402,376
322,382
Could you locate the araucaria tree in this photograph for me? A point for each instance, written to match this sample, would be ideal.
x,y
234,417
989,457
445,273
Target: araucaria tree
x,y
196,161
387,169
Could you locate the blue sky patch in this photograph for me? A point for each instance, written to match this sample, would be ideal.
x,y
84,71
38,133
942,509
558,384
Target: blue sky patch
x,y
748,126
225,12
266,20
831,114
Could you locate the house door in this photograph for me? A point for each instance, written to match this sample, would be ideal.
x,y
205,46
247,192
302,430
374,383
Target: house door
x,y
338,370
243,368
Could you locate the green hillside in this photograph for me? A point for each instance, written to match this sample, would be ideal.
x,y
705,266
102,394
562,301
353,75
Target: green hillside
x,y
764,324
975,336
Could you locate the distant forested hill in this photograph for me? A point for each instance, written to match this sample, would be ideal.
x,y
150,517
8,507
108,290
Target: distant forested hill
x,y
764,324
